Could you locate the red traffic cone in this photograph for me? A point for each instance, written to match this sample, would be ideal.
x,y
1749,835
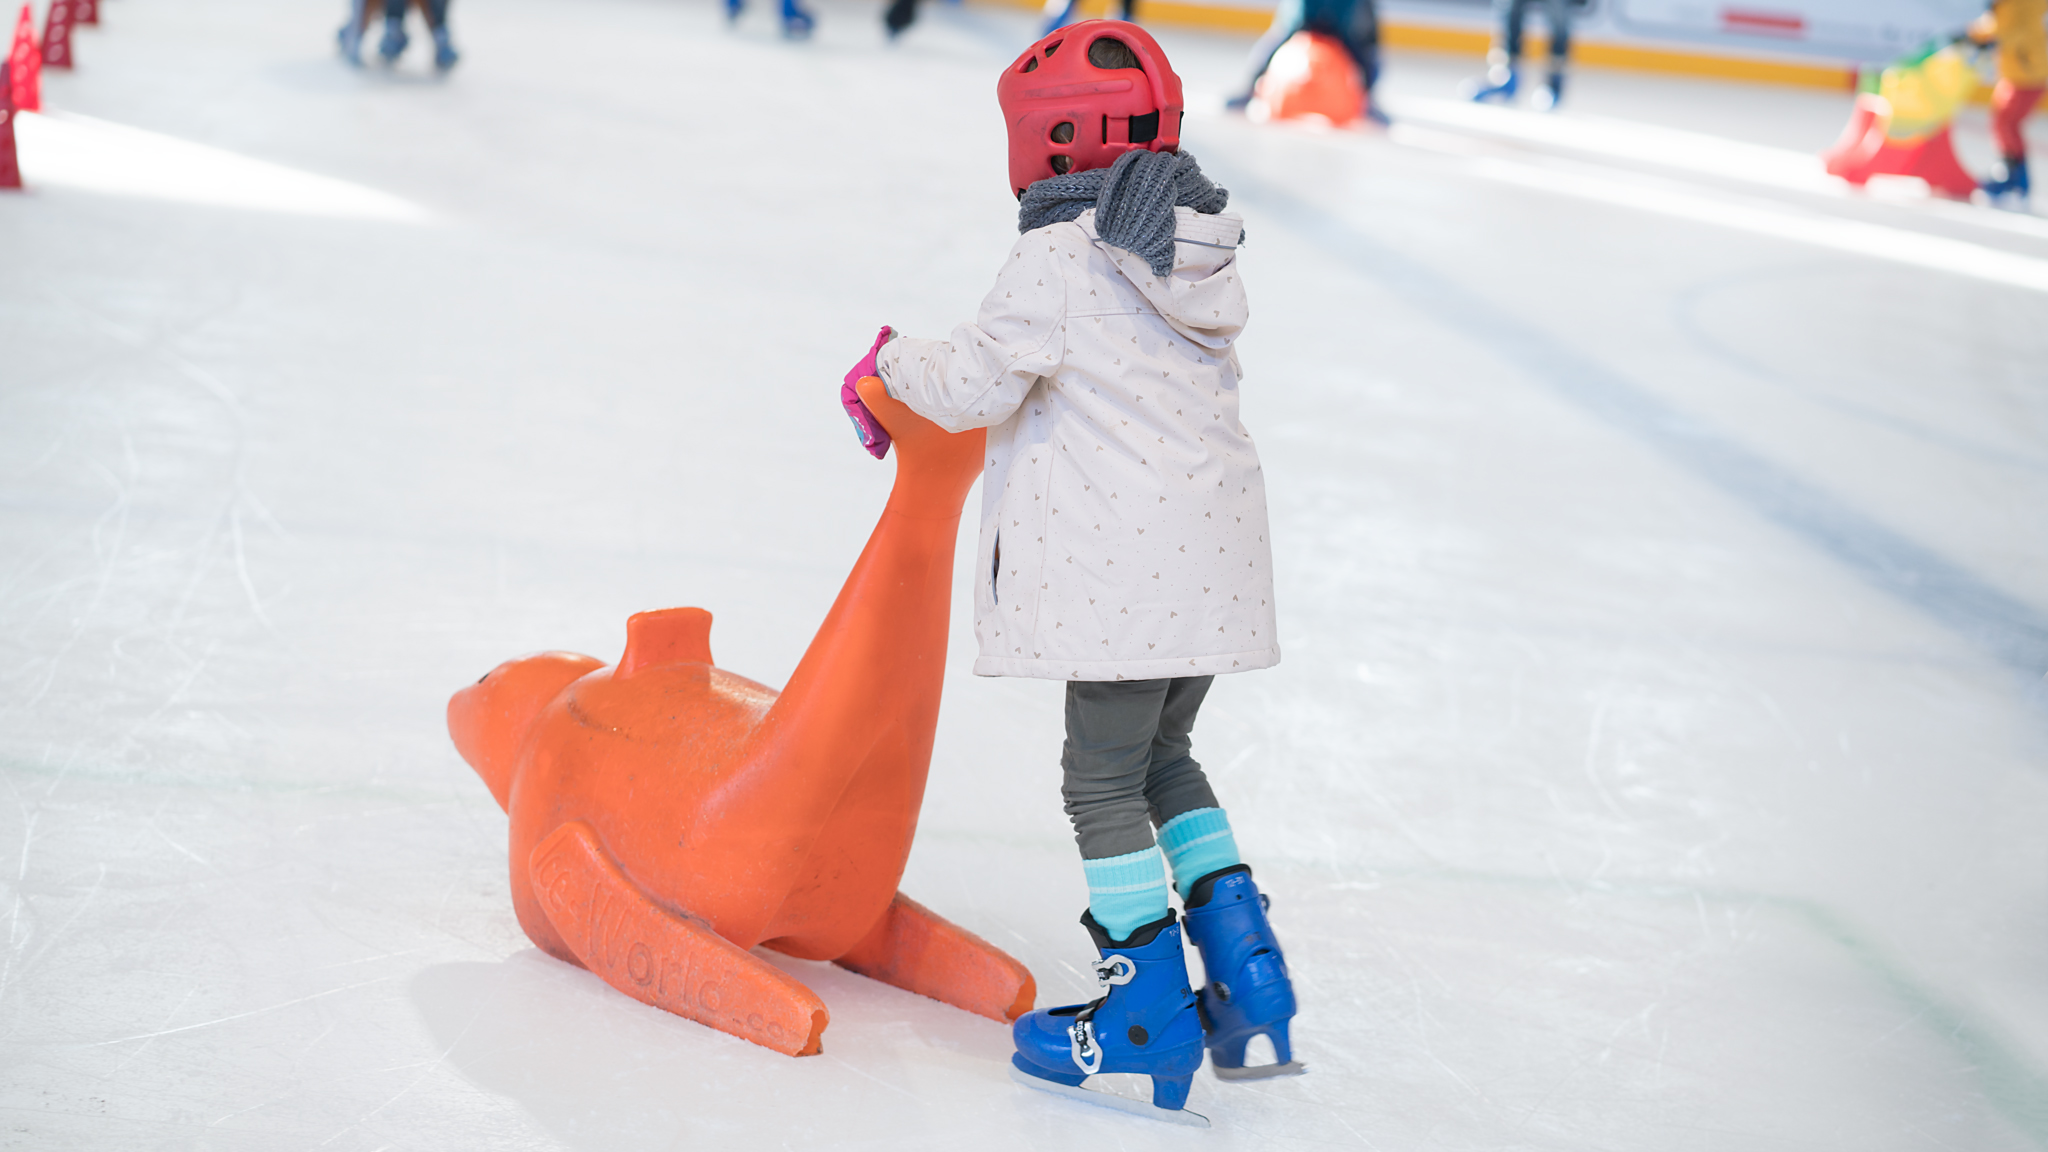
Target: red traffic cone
x,y
85,11
1865,150
25,66
57,34
10,166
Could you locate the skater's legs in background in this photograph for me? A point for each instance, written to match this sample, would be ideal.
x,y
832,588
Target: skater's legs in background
x,y
899,15
395,40
435,13
1290,17
1286,23
2010,106
1504,59
350,37
1559,14
1364,42
1510,17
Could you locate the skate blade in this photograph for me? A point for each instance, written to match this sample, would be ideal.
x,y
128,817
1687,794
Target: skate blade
x,y
1106,1100
1259,1072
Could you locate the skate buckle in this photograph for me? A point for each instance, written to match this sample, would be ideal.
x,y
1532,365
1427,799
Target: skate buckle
x,y
1087,1054
1117,969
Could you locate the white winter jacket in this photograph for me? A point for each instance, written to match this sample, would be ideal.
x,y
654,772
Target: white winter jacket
x,y
1123,527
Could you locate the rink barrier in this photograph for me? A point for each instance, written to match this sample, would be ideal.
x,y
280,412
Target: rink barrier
x,y
1459,41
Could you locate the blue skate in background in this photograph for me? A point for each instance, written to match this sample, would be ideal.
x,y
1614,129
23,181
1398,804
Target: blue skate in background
x,y
1145,1023
1248,993
796,22
350,38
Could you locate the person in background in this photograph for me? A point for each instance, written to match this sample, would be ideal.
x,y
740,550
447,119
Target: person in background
x,y
1504,61
1352,23
2020,28
393,45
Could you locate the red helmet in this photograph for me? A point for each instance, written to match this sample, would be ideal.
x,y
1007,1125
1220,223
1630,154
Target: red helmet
x,y
1074,102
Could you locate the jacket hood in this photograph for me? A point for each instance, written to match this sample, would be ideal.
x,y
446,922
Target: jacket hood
x,y
1203,299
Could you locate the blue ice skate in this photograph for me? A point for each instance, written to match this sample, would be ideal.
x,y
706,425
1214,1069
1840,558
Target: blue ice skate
x,y
445,55
394,43
1502,80
350,38
796,23
1248,993
1145,1023
2010,181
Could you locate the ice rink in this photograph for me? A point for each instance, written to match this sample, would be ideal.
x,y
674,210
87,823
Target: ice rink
x,y
1659,760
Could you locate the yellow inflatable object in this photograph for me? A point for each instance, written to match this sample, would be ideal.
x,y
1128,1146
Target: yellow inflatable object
x,y
1925,95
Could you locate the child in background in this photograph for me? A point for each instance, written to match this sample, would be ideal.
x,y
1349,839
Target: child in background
x,y
2021,29
1123,542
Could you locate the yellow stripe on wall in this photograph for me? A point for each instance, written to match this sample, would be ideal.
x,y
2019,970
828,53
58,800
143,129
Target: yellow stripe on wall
x,y
1472,42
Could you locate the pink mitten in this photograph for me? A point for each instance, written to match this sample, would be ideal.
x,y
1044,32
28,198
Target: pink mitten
x,y
873,436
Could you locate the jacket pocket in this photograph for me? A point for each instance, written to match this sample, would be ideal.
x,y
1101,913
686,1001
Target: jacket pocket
x,y
995,566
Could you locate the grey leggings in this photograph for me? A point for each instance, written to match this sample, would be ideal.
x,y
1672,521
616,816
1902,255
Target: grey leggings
x,y
1127,763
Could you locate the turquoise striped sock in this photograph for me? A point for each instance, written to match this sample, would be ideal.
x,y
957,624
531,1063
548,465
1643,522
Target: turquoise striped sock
x,y
1197,843
1126,892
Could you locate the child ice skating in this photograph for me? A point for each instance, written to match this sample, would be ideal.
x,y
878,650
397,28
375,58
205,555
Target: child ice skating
x,y
2020,28
1123,544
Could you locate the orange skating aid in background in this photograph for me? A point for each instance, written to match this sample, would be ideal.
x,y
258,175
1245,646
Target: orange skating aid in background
x,y
668,815
1312,76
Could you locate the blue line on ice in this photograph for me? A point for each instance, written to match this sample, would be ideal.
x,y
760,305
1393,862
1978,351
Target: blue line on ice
x,y
2009,629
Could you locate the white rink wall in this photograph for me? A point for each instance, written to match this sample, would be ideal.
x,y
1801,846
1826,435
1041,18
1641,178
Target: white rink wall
x,y
1862,31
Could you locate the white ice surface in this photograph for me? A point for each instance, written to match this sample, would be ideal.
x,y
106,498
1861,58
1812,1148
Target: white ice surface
x,y
1658,760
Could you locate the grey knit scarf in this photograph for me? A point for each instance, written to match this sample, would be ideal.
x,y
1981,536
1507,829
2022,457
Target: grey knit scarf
x,y
1133,199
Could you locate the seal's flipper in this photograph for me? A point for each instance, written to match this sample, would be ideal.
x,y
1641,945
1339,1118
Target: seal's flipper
x,y
674,963
918,951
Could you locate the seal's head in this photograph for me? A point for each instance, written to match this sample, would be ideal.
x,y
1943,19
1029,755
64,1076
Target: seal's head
x,y
489,719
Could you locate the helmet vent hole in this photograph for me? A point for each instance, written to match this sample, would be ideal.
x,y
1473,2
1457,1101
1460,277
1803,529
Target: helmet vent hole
x,y
1030,64
1110,52
1145,129
1063,133
1052,48
1061,164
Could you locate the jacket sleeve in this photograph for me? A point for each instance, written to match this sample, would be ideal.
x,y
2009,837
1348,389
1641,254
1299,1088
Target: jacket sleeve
x,y
979,376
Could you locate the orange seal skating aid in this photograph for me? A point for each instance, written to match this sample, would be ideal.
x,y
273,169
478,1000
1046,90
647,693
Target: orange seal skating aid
x,y
667,815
